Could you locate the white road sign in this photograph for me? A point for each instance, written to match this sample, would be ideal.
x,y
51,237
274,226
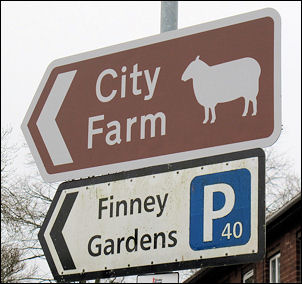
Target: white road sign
x,y
157,219
172,277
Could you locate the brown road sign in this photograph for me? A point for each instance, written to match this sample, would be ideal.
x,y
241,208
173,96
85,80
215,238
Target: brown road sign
x,y
204,90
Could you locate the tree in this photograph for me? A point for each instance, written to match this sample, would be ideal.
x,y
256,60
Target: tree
x,y
11,264
21,214
282,183
13,267
25,202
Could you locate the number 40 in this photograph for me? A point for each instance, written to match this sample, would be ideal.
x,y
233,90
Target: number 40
x,y
227,230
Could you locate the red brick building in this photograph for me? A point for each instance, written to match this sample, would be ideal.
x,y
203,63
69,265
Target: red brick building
x,y
282,262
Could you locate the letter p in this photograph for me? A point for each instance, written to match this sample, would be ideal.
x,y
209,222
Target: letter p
x,y
209,213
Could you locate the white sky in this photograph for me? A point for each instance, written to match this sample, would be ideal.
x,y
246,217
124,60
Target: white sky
x,y
34,33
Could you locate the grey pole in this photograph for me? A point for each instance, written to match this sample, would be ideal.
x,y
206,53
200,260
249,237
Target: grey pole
x,y
169,16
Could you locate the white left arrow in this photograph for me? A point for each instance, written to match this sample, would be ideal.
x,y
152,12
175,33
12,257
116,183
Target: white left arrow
x,y
47,125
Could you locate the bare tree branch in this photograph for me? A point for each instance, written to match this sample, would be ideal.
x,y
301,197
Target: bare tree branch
x,y
25,202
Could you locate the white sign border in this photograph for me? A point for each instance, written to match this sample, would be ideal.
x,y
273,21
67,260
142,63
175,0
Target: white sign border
x,y
169,158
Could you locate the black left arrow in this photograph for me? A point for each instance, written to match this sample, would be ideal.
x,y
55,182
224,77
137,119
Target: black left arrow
x,y
56,232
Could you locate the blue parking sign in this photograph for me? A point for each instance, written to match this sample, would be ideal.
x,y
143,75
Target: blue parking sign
x,y
220,209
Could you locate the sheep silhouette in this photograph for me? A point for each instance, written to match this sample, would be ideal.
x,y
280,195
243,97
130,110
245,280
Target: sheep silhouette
x,y
223,83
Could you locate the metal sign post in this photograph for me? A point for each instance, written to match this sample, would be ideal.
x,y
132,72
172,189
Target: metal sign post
x,y
169,16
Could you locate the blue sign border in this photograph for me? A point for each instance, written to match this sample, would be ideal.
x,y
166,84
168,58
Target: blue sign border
x,y
240,181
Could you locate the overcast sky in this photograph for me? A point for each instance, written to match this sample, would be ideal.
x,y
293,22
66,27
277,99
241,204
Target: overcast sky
x,y
34,33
